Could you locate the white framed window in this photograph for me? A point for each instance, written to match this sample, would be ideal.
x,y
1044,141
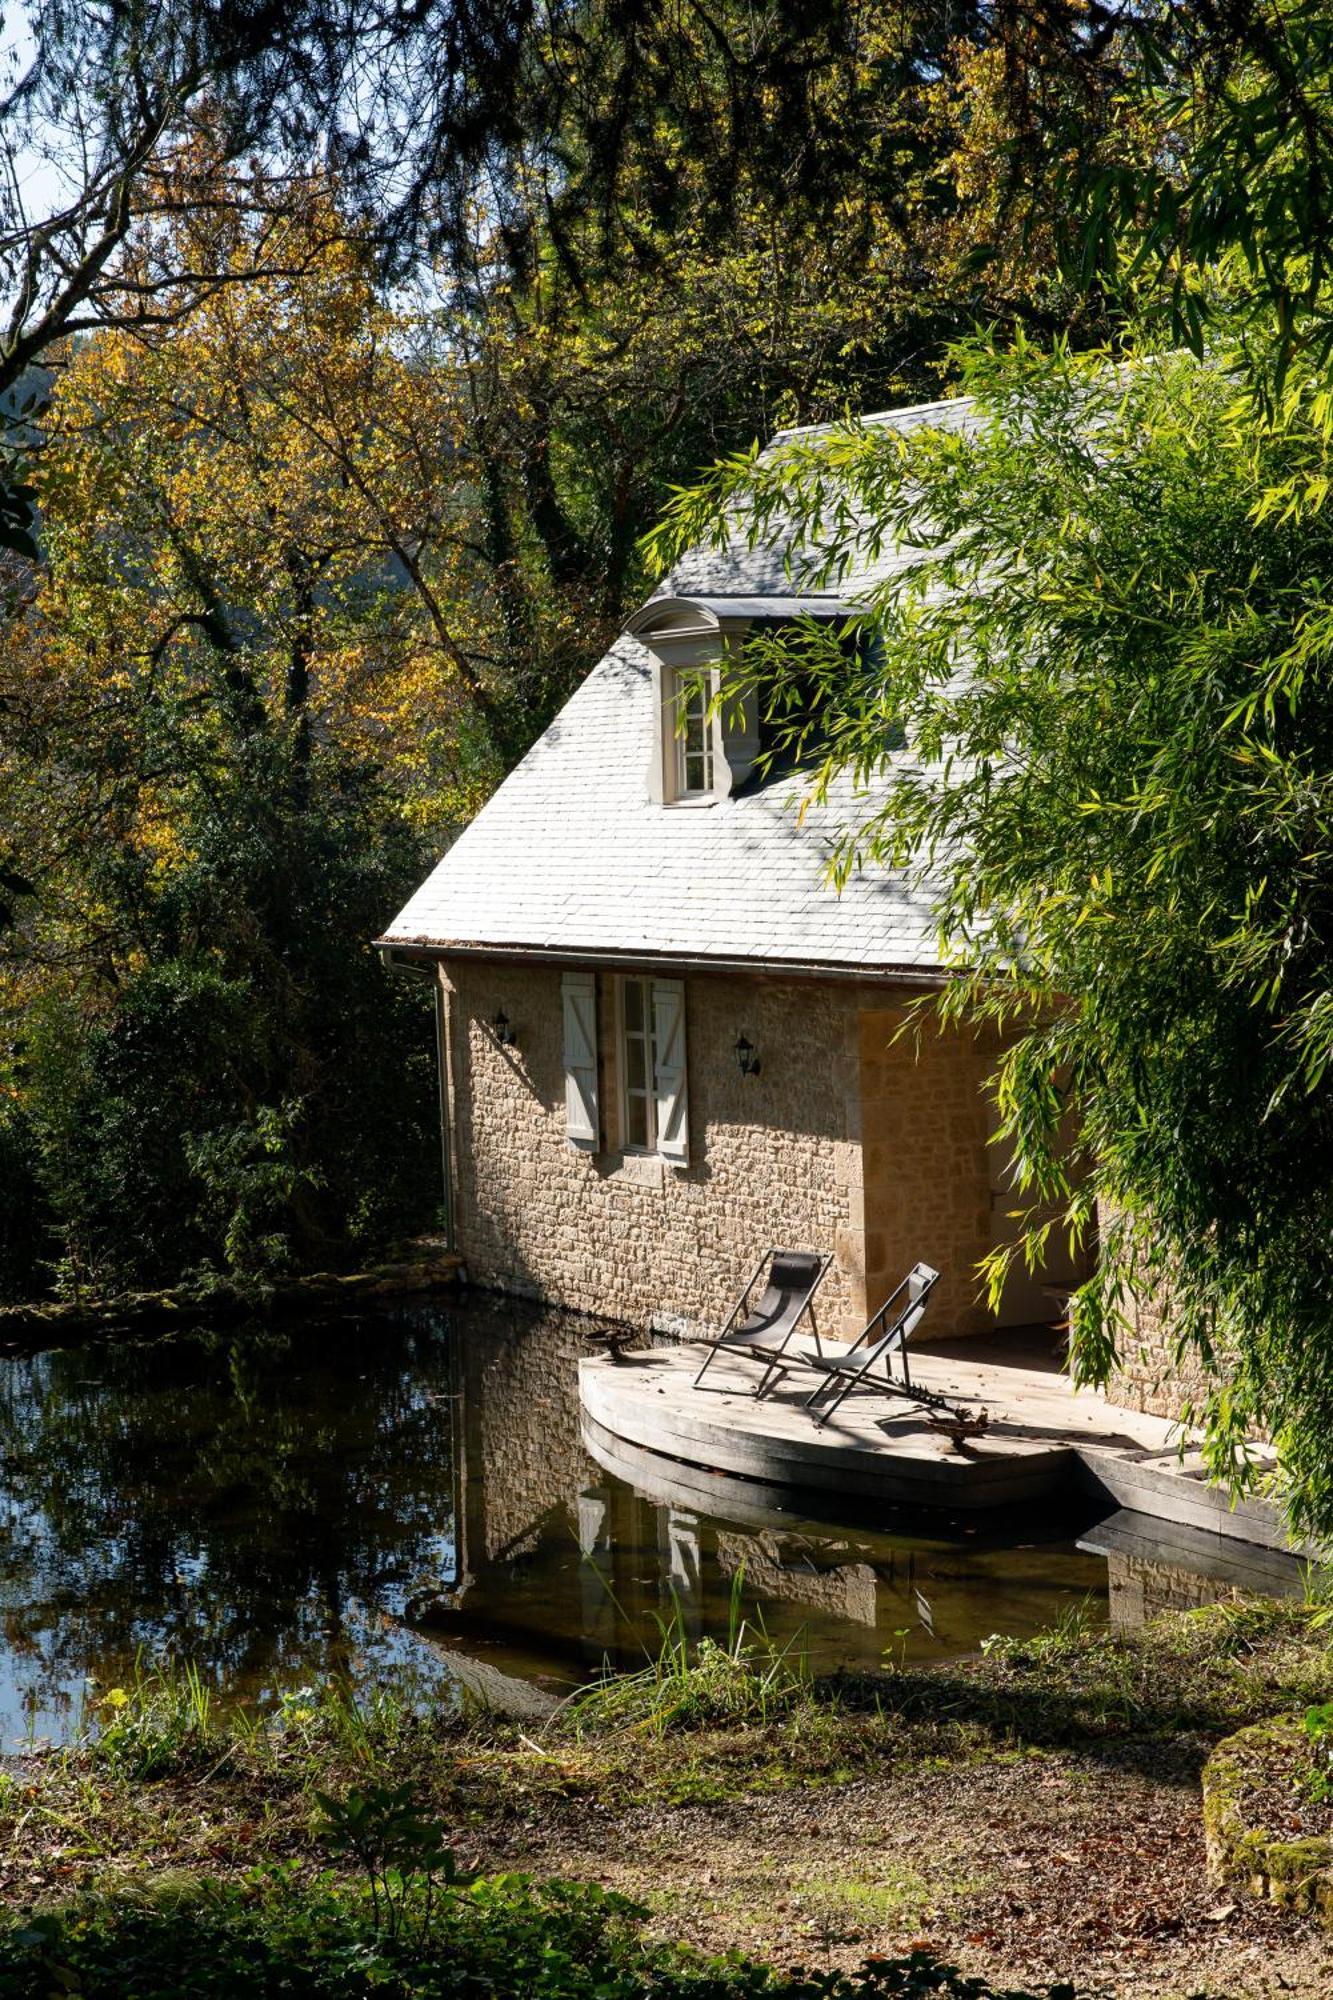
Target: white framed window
x,y
693,694
638,1122
654,1112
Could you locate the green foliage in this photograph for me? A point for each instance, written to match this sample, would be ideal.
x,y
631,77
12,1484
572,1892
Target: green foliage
x,y
117,1103
501,1935
1318,1726
689,1686
23,1212
1109,647
251,1180
256,1092
1232,208
163,1722
401,1852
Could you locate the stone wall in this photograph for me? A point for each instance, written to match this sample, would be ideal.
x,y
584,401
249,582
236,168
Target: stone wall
x,y
524,1457
1152,1374
1140,1590
925,1191
851,1140
773,1158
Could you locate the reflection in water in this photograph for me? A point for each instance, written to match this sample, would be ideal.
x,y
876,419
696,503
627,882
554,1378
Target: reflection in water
x,y
409,1489
1155,1566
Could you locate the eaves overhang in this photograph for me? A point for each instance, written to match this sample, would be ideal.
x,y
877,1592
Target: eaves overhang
x,y
430,951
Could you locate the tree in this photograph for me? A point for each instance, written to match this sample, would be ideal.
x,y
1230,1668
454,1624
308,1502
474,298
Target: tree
x,y
246,523
103,98
622,110
1228,213
1110,653
420,111
612,348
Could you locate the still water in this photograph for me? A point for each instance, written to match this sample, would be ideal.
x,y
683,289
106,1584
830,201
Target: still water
x,y
406,1492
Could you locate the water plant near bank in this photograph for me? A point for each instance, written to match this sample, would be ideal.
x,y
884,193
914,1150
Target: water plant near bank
x,y
747,1678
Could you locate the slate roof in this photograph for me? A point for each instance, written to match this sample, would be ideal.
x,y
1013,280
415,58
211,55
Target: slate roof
x,y
572,859
773,569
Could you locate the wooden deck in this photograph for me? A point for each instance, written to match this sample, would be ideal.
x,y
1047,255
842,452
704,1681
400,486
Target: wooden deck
x,y
1043,1437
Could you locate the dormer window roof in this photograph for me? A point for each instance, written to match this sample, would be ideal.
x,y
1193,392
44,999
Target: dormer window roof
x,y
703,750
665,616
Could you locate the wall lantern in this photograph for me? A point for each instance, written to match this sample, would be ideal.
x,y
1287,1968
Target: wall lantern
x,y
747,1057
505,1035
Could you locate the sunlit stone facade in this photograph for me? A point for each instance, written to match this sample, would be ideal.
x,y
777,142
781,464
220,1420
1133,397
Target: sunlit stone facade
x,y
854,1138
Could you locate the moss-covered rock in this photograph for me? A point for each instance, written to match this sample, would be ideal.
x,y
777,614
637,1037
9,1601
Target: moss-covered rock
x,y
1244,1851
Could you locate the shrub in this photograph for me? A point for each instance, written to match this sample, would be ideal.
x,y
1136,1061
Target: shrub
x,y
23,1212
500,1936
116,1102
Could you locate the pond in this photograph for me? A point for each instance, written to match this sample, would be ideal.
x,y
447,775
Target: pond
x,y
405,1494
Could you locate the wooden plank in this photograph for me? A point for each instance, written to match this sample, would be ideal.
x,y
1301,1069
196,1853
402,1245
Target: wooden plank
x,y
866,1420
914,1468
746,1503
1152,1489
1043,1435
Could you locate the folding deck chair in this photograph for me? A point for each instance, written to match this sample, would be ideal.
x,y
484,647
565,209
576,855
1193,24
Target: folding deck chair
x,y
884,1335
794,1276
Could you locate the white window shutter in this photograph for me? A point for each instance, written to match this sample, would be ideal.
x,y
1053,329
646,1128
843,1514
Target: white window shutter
x,y
579,993
673,1111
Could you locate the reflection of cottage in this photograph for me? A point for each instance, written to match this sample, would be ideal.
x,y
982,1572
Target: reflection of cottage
x,y
782,1568
669,1040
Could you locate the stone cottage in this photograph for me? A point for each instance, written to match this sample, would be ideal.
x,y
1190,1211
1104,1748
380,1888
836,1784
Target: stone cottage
x,y
667,1041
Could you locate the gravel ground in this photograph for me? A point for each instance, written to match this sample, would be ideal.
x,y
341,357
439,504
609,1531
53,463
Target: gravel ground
x,y
1042,1869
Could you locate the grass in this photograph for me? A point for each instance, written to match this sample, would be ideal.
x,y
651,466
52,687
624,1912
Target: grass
x,y
898,1890
163,1721
747,1680
166,1778
712,1720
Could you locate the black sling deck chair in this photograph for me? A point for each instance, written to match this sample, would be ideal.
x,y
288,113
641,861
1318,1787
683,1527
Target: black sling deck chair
x,y
794,1276
885,1335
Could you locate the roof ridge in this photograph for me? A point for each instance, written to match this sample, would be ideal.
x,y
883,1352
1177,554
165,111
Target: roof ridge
x,y
867,417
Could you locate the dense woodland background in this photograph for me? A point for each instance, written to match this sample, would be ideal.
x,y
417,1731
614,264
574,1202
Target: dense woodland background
x,y
328,533
346,369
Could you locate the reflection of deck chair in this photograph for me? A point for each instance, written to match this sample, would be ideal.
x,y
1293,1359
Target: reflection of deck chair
x,y
794,1276
885,1335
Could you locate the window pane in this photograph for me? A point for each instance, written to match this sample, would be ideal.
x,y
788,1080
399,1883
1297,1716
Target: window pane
x,y
694,760
633,1006
636,1077
636,1121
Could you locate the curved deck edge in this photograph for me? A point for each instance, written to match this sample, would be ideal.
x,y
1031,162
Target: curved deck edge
x,y
646,1402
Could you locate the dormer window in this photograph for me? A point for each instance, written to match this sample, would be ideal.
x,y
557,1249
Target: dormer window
x,y
694,733
703,749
